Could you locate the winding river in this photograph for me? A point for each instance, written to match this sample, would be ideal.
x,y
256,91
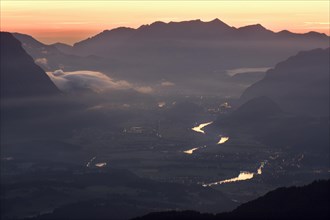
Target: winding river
x,y
241,177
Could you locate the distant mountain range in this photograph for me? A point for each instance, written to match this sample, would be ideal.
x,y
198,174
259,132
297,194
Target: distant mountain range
x,y
299,84
214,30
191,54
306,202
178,50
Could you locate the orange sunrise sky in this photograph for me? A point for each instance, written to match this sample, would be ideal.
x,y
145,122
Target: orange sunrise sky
x,y
72,21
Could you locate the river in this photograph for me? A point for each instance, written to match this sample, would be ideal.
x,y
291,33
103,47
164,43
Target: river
x,y
243,175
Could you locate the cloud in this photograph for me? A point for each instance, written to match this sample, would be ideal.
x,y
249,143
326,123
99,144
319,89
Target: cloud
x,y
316,22
91,80
144,89
58,73
167,84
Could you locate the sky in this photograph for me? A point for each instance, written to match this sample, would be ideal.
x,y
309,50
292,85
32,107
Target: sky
x,y
73,21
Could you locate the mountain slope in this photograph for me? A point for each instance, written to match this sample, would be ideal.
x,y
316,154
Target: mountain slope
x,y
299,85
20,76
306,202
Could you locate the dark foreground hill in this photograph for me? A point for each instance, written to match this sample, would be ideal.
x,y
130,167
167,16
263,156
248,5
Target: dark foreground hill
x,y
306,202
123,195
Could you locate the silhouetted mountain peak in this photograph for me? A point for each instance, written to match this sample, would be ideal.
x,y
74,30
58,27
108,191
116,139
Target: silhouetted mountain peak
x,y
197,23
255,30
65,48
61,44
192,29
253,27
303,61
115,31
314,33
284,32
178,30
119,33
311,35
156,24
20,76
216,20
29,40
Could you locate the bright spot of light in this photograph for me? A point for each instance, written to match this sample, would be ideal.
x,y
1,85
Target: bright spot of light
x,y
200,127
100,164
191,151
223,140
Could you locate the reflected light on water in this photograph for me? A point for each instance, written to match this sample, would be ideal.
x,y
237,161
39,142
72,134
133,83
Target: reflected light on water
x,y
191,151
241,177
200,127
161,104
100,164
259,171
223,140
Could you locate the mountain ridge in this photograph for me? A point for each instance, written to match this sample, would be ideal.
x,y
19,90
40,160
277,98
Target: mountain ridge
x,y
299,84
215,23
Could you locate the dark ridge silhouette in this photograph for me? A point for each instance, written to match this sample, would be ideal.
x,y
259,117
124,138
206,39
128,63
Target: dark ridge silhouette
x,y
185,29
196,29
96,43
299,85
306,202
290,35
193,29
65,48
20,76
251,30
58,56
